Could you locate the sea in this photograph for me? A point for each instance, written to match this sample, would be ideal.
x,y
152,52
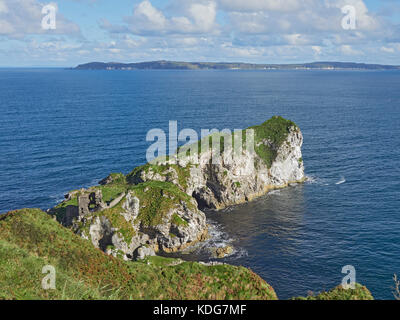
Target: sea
x,y
63,129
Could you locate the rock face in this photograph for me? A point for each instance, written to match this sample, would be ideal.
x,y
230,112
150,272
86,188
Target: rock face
x,y
157,206
276,163
148,218
144,252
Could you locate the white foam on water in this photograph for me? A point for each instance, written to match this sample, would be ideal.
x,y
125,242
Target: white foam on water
x,y
317,181
311,179
341,181
274,192
218,238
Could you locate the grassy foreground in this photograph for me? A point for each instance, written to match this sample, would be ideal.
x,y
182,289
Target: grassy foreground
x,y
30,239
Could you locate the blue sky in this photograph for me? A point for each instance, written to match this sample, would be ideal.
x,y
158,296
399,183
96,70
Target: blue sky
x,y
261,31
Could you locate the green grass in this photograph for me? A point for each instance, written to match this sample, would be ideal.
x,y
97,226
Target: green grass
x,y
183,173
157,199
339,293
178,221
31,239
276,131
118,178
112,191
159,261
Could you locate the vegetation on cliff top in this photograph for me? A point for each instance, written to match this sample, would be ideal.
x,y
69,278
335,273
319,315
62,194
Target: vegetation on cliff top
x,y
157,199
275,131
339,293
30,239
164,170
269,136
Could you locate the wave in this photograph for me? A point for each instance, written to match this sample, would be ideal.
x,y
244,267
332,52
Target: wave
x,y
341,181
317,180
218,239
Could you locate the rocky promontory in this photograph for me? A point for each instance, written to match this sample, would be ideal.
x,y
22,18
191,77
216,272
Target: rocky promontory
x,y
157,207
276,163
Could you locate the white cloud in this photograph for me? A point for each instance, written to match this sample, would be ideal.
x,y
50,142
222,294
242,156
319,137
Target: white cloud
x,y
260,5
147,20
350,51
317,49
203,15
258,29
148,17
388,50
3,6
296,39
19,18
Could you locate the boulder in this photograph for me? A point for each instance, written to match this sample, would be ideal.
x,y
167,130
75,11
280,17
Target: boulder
x,y
222,252
143,252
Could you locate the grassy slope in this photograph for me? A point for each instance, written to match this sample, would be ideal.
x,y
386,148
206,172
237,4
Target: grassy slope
x,y
30,239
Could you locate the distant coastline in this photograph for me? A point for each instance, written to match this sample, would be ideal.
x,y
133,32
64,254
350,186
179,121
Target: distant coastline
x,y
174,65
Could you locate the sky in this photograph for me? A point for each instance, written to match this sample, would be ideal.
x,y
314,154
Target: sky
x,y
256,31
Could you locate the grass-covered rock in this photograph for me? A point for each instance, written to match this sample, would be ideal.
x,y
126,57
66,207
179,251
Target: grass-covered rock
x,y
339,293
217,175
270,136
119,218
30,239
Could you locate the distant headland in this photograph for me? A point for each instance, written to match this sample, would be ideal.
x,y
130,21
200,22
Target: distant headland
x,y
175,65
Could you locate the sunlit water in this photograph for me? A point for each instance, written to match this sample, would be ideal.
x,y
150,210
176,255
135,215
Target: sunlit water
x,y
62,129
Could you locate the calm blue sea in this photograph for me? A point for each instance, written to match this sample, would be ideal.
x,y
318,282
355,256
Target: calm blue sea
x,y
64,129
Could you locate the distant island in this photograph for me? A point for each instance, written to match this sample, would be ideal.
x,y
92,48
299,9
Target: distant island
x,y
174,65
